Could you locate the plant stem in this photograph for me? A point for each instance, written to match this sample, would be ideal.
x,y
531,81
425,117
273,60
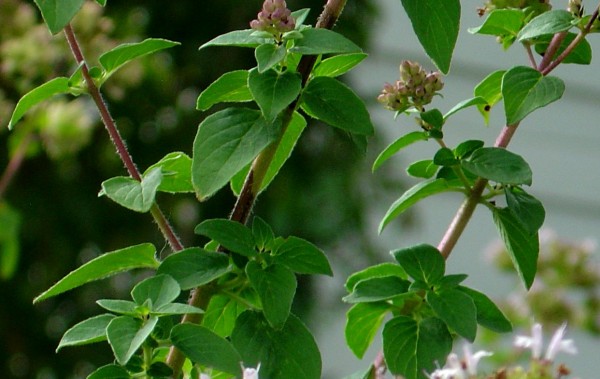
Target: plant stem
x,y
14,164
160,219
551,50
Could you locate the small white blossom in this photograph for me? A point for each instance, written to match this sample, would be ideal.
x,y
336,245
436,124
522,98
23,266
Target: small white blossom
x,y
557,343
454,369
204,376
472,360
251,373
534,342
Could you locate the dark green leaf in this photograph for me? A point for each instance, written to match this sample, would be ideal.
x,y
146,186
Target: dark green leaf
x,y
176,168
422,169
115,58
207,348
101,2
412,348
433,117
230,87
194,267
582,54
398,145
445,157
132,194
240,38
526,209
58,13
338,65
225,143
276,287
501,23
323,41
466,148
221,313
489,89
87,331
551,22
159,289
363,321
262,232
110,372
525,89
499,165
230,234
274,91
126,335
288,353
123,307
377,271
436,24
139,256
377,289
10,220
456,309
477,100
37,95
175,309
422,262
331,101
269,55
159,370
302,257
522,247
488,314
452,280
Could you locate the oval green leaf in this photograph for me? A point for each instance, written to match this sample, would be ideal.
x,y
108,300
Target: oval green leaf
x,y
302,257
551,22
377,271
274,91
110,372
176,168
488,314
323,41
194,267
126,335
231,235
499,165
269,55
422,262
230,87
362,322
87,331
338,65
240,38
159,289
132,194
456,309
37,95
58,13
396,146
526,209
377,289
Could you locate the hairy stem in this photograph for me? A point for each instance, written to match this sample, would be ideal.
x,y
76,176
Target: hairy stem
x,y
551,50
14,164
163,224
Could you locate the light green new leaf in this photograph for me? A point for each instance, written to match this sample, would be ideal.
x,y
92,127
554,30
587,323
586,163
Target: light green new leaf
x,y
274,91
377,289
37,95
230,87
456,309
362,322
176,309
87,331
221,314
302,257
526,209
240,38
232,235
331,101
525,89
377,271
490,88
115,58
139,256
551,22
194,267
110,372
323,41
269,55
159,289
176,168
477,100
122,307
436,24
422,262
126,335
225,143
203,346
414,194
58,13
131,194
288,353
276,287
499,165
501,23
396,146
413,348
488,314
263,234
10,220
522,247
424,169
338,65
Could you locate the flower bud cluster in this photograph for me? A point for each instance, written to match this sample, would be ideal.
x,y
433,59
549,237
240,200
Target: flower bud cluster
x,y
415,88
537,6
575,7
274,18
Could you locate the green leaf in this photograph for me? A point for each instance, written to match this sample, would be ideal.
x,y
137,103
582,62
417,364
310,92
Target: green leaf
x,y
302,257
58,13
176,168
194,267
477,100
37,95
269,55
522,247
338,65
176,309
131,194
488,314
466,148
276,287
138,256
551,22
240,38
230,87
525,89
501,23
331,101
115,58
101,2
110,372
422,169
452,280
87,331
412,348
433,117
323,41
159,289
499,165
274,91
225,143
362,322
436,24
377,289
126,335
221,313
10,220
123,307
159,370
445,157
300,15
456,309
490,88
262,232
396,146
288,353
422,262
207,348
232,235
582,54
377,271
525,208
414,194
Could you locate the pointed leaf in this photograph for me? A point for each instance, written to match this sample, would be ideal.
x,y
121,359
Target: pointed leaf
x,y
176,168
110,372
131,194
338,65
221,314
230,87
551,22
499,165
240,38
436,24
396,146
526,209
123,307
377,289
159,289
501,23
302,257
176,309
194,267
37,95
363,321
126,335
489,89
115,58
269,55
466,148
262,232
139,256
456,309
377,271
424,169
422,262
274,91
58,13
488,314
477,100
230,234
323,41
87,331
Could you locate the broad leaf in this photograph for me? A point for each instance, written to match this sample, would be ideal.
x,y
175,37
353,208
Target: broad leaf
x,y
338,65
526,209
436,24
396,146
263,233
488,314
377,271
551,22
207,348
413,348
522,247
302,257
501,23
456,309
230,234
159,289
477,100
221,314
424,169
377,289
122,307
37,95
525,89
58,13
288,353
240,38
582,54
194,267
323,41
499,165
274,91
433,117
230,87
139,256
445,157
87,331
176,168
362,322
132,194
331,101
225,143
466,148
422,262
269,55
110,372
276,287
490,89
126,335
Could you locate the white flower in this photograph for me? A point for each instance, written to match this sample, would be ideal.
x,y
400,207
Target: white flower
x,y
557,343
251,373
471,360
204,376
534,342
455,369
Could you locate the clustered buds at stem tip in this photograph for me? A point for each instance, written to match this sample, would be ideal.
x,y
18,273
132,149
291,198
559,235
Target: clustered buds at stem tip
x,y
274,18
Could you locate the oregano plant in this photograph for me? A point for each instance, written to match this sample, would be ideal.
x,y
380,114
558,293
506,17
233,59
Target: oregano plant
x,y
238,321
